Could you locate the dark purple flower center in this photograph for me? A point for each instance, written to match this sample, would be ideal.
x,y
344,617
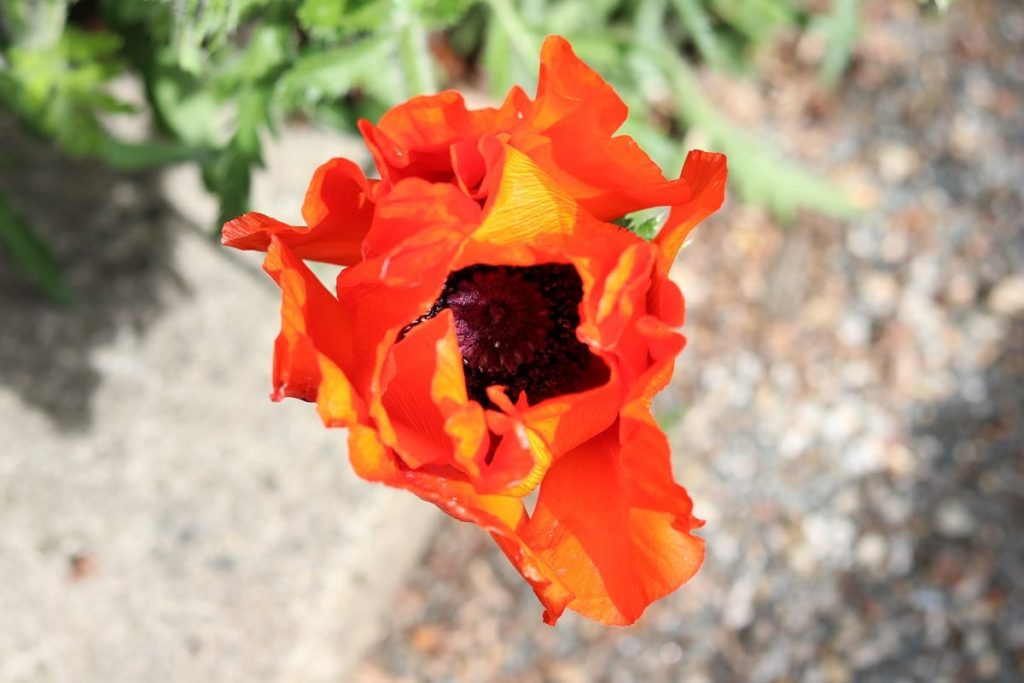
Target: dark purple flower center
x,y
516,327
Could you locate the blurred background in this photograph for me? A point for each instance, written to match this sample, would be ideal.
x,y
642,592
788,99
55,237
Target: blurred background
x,y
847,415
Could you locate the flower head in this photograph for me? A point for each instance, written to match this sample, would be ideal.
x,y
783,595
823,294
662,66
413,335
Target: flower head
x,y
494,332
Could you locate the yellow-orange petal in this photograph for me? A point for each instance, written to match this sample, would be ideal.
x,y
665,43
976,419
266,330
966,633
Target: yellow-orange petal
x,y
308,312
530,219
619,296
608,175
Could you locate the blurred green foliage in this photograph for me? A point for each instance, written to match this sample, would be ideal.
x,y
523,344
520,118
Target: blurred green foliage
x,y
219,74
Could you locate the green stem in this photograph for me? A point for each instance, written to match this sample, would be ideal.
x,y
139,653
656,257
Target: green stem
x,y
698,24
523,41
414,50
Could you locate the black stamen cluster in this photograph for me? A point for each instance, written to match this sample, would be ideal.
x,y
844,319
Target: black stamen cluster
x,y
516,327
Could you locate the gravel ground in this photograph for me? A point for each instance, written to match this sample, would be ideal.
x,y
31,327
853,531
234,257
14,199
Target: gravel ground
x,y
848,411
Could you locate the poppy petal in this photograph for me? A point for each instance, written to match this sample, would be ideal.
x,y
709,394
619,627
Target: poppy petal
x,y
705,174
614,527
609,176
416,233
413,138
530,219
337,211
308,332
425,370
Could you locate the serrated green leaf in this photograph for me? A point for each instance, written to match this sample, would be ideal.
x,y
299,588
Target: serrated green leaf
x,y
268,47
331,73
330,20
229,177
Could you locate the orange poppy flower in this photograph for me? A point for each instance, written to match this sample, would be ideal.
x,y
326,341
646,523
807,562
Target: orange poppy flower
x,y
495,333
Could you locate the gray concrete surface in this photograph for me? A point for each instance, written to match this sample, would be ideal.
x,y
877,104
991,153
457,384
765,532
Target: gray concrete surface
x,y
160,518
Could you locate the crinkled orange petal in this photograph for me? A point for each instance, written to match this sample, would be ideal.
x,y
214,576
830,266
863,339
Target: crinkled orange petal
x,y
308,325
614,527
518,457
413,138
665,300
416,214
608,175
337,211
336,398
564,422
466,425
619,296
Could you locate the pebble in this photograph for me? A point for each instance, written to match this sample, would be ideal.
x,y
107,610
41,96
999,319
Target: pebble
x,y
1007,297
954,519
880,291
897,162
871,550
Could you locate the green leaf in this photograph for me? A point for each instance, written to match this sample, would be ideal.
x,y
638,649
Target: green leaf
x,y
190,110
33,25
525,42
329,20
229,174
645,224
568,17
410,38
31,254
202,27
497,59
330,73
269,47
